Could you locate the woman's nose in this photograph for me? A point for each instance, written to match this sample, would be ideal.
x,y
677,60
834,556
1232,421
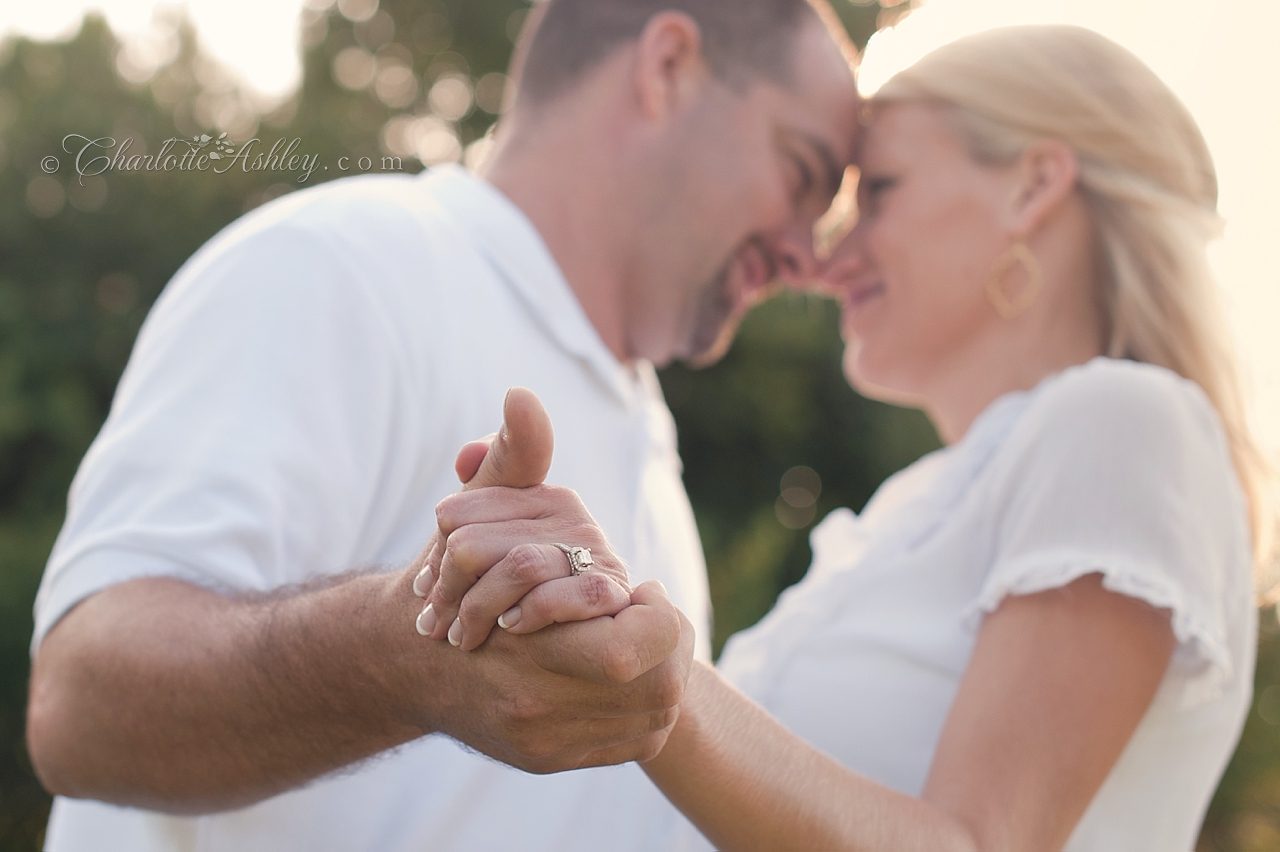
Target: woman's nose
x,y
844,263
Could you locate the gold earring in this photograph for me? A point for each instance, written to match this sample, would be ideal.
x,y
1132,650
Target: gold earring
x,y
1006,307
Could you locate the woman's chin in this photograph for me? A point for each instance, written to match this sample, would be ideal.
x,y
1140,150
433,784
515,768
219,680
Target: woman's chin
x,y
874,375
859,368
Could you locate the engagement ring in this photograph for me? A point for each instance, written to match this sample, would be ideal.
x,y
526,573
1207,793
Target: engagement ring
x,y
579,558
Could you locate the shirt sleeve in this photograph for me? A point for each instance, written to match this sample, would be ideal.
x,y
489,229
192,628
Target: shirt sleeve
x,y
1123,470
246,438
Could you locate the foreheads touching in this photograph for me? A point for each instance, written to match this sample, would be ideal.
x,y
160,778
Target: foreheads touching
x,y
726,125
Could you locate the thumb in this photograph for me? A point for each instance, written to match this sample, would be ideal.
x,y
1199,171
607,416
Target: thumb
x,y
520,454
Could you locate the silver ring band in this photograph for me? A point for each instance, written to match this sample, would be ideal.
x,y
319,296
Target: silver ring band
x,y
580,560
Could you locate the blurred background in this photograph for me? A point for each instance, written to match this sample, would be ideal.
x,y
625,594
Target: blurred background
x,y
772,437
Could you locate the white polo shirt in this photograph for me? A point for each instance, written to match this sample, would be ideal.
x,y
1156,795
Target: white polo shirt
x,y
292,409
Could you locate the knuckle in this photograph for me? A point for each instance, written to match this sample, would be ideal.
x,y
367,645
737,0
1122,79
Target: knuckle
x,y
621,663
565,500
459,550
594,589
575,508
613,568
671,627
469,613
543,491
557,493
446,512
453,544
522,713
525,563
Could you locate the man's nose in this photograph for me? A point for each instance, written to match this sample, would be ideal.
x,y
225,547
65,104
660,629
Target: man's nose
x,y
794,259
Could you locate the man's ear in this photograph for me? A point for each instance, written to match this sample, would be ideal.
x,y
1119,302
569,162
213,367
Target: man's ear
x,y
670,66
1045,176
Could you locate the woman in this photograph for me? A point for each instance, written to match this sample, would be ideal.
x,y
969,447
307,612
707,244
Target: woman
x,y
1042,635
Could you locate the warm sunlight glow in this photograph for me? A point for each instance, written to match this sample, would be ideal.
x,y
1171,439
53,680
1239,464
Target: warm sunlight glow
x,y
258,41
1218,55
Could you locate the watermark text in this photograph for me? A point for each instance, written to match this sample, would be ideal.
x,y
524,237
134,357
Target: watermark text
x,y
201,154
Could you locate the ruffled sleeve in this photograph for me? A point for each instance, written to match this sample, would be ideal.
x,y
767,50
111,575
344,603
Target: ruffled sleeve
x,y
1122,469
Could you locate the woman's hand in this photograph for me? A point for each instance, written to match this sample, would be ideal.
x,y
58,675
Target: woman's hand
x,y
499,564
493,557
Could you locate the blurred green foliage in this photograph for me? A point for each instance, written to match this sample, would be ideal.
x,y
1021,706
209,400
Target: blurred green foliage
x,y
80,265
778,400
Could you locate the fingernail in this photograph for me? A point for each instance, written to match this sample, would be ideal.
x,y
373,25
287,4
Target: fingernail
x,y
455,632
423,582
426,621
510,618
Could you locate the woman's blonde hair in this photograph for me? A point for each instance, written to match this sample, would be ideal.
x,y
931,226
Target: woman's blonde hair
x,y
1148,181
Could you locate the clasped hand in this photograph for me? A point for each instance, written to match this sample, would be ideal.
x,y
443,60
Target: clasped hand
x,y
499,565
493,563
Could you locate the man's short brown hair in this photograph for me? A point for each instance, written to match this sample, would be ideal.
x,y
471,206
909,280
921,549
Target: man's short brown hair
x,y
741,39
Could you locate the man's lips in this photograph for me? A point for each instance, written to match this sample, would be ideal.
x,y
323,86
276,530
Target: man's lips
x,y
751,275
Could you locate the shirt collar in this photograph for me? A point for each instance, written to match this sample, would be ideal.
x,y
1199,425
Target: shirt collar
x,y
511,243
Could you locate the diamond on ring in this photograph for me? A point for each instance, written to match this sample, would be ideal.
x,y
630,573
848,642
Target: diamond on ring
x,y
580,559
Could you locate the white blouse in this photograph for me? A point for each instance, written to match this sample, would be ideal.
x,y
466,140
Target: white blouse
x,y
1112,467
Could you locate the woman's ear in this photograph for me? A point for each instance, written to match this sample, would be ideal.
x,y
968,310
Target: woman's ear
x,y
1046,176
670,66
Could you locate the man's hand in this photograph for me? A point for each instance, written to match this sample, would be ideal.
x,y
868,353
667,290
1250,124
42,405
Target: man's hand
x,y
591,693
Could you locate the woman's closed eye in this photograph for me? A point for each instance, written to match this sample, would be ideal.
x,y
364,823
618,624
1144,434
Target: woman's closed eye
x,y
872,189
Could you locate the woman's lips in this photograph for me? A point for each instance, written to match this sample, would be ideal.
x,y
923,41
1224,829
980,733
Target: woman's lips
x,y
853,301
856,297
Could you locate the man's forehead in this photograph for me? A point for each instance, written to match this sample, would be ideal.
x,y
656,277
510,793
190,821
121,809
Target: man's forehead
x,y
821,101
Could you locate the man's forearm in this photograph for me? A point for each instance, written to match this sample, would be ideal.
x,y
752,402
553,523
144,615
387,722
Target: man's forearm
x,y
163,695
160,694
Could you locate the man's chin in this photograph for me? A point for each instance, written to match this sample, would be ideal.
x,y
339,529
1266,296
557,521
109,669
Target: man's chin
x,y
723,305
705,355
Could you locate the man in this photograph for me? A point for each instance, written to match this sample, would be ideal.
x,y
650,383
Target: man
x,y
207,663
